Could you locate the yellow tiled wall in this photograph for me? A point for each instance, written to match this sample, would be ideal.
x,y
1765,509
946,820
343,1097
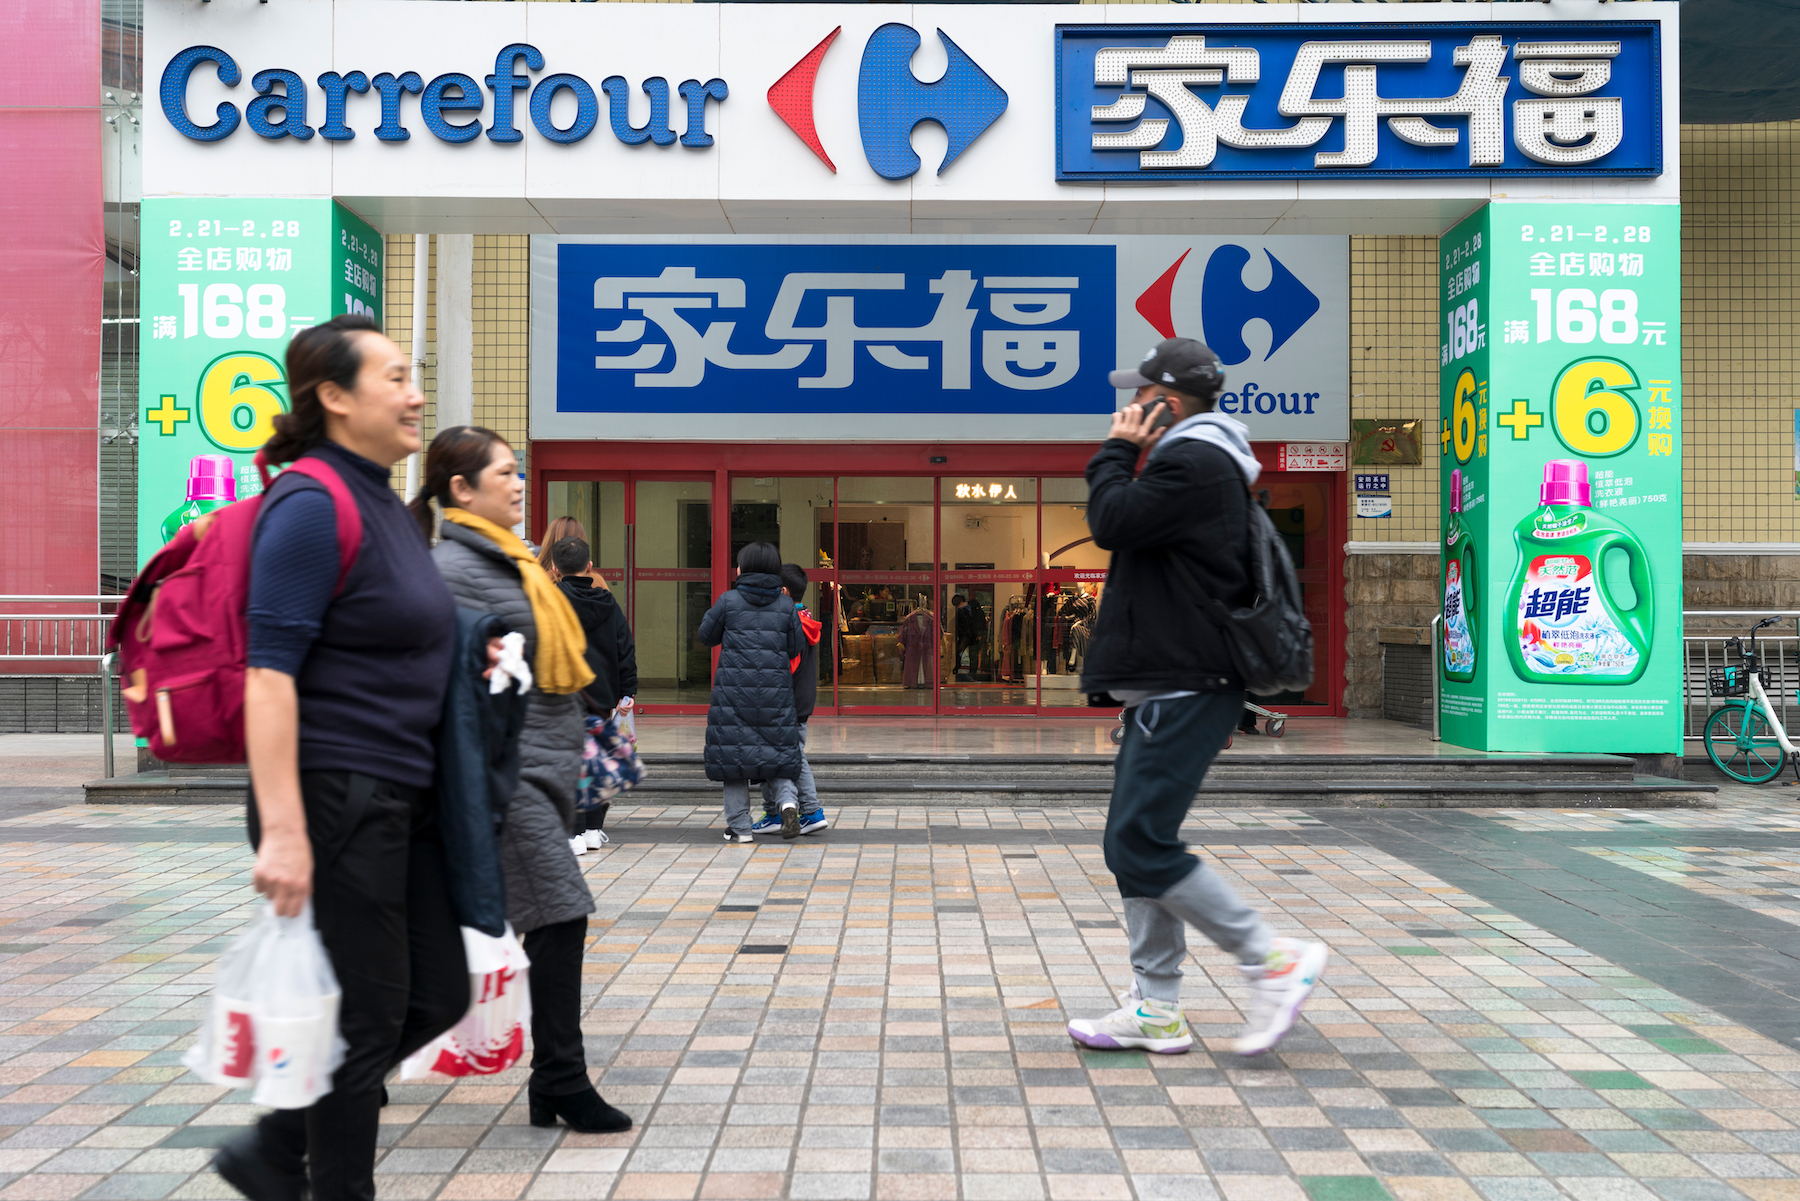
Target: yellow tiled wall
x,y
503,335
502,332
1394,371
398,321
1739,304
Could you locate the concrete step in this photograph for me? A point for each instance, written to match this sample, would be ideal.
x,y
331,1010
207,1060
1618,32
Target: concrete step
x,y
1052,781
167,788
1076,771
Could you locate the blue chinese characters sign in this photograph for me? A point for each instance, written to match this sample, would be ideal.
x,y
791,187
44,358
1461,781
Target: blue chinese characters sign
x,y
1190,101
894,328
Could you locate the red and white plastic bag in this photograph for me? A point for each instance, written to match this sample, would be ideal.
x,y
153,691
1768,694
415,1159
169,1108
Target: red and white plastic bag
x,y
491,1036
273,1020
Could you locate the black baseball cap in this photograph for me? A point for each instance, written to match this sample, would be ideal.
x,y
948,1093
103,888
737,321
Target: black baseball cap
x,y
1184,364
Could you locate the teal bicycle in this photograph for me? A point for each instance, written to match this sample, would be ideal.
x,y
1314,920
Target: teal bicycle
x,y
1744,738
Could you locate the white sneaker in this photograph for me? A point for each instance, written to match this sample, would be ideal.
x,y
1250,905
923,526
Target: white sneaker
x,y
1140,1024
1278,987
578,844
595,840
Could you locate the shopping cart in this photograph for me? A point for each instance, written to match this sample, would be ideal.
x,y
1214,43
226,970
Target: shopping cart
x,y
1274,724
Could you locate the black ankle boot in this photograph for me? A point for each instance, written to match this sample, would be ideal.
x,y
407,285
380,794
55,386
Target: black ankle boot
x,y
246,1166
585,1113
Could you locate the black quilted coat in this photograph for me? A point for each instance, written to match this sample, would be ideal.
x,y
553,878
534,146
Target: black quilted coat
x,y
751,730
544,884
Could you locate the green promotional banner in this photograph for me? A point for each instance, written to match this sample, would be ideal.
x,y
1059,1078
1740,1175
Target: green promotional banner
x,y
1560,398
225,283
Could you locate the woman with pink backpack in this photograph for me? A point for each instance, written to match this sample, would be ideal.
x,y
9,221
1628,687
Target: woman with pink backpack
x,y
345,685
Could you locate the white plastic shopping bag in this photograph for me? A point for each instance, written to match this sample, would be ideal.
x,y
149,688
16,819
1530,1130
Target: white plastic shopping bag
x,y
274,1016
491,1036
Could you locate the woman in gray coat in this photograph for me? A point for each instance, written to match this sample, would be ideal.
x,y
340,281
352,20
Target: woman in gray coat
x,y
472,474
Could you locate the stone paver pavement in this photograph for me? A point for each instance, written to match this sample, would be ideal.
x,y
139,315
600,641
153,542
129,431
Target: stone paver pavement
x,y
859,1017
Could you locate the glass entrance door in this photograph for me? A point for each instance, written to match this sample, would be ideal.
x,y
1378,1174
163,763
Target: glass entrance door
x,y
890,633
1299,503
653,547
988,538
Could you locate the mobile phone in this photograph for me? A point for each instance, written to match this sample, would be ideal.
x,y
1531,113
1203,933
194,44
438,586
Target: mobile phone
x,y
1165,419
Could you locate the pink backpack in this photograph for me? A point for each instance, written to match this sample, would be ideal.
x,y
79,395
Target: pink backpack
x,y
183,631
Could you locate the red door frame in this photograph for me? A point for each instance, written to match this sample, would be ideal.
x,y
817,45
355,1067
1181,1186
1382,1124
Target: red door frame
x,y
565,461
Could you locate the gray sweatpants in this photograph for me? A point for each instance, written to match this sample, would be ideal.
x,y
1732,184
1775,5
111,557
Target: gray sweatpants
x,y
808,788
1168,746
737,802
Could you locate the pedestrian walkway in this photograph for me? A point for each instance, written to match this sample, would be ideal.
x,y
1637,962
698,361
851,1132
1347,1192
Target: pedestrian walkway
x,y
1523,1006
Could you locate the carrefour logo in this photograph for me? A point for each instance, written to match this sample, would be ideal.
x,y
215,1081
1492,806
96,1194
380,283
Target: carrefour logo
x,y
449,106
1228,307
890,99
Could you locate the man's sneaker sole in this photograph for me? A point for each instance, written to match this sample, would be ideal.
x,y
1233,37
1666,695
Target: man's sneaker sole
x,y
790,821
1099,1041
1306,978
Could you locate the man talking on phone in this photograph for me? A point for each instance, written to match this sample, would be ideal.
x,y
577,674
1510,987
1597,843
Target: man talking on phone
x,y
1155,652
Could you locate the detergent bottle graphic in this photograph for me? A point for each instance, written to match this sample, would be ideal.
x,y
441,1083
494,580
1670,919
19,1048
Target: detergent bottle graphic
x,y
212,484
1460,591
1568,626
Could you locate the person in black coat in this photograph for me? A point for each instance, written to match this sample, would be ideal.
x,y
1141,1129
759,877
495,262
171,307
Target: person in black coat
x,y
752,730
611,652
1182,516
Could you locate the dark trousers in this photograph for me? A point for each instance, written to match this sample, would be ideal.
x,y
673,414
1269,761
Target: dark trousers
x,y
1168,747
558,1062
383,913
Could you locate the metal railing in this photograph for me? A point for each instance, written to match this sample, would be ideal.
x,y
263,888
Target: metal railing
x,y
64,638
53,637
1780,659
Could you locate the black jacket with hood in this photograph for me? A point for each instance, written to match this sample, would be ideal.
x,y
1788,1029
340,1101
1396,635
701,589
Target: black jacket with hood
x,y
752,731
611,651
1190,502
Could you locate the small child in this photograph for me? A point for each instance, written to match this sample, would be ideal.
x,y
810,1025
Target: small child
x,y
806,696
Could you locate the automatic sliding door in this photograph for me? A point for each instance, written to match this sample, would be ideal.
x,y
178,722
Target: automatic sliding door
x,y
890,634
794,513
671,582
988,545
1068,592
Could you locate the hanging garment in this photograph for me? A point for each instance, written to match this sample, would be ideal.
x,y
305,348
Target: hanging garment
x,y
918,639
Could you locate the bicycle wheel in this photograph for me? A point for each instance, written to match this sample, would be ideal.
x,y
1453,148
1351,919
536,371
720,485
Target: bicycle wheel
x,y
1741,744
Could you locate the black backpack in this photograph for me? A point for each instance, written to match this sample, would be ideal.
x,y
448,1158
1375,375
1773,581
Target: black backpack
x,y
1271,642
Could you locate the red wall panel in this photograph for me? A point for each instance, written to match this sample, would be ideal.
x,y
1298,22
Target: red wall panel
x,y
52,267
54,59
47,539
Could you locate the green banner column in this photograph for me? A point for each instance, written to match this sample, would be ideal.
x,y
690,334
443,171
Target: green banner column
x,y
1560,399
225,283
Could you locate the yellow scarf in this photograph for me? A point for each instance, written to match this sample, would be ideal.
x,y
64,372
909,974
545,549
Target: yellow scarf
x,y
561,666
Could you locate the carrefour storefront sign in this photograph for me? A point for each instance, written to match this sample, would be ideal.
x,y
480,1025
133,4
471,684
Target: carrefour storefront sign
x,y
752,114
1186,101
883,337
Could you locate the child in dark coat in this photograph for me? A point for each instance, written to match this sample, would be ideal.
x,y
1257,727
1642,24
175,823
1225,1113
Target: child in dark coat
x,y
611,653
752,732
811,817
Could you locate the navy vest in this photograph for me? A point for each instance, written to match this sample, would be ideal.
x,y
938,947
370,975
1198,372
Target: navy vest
x,y
372,687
